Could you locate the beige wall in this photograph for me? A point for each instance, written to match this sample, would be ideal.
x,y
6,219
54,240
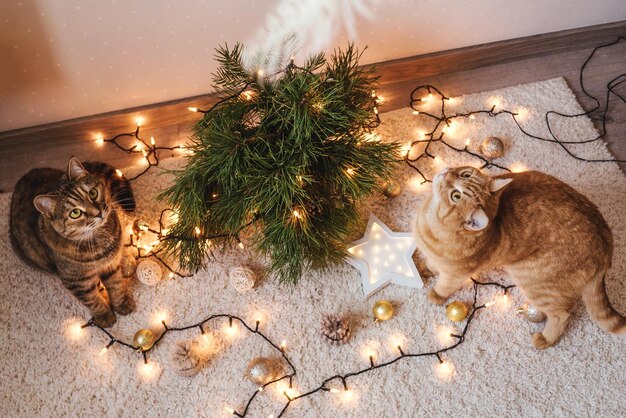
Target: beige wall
x,y
62,59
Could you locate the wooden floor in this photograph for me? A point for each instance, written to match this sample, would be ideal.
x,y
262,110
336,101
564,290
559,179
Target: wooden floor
x,y
23,149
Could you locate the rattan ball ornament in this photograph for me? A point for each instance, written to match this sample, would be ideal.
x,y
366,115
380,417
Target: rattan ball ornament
x,y
149,272
262,370
242,279
336,329
492,147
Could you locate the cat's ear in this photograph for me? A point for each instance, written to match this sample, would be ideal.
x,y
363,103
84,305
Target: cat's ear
x,y
498,184
477,221
75,169
46,204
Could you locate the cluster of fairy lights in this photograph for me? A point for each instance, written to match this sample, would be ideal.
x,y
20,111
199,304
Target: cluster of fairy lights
x,y
447,127
285,385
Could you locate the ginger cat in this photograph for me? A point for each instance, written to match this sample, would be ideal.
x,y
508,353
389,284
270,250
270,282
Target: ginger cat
x,y
552,241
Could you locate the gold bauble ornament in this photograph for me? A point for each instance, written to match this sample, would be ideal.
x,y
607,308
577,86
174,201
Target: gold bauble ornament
x,y
391,188
382,310
492,147
262,370
144,339
456,311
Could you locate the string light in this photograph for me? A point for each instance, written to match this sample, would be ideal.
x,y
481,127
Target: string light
x,y
192,109
152,142
119,173
139,121
99,140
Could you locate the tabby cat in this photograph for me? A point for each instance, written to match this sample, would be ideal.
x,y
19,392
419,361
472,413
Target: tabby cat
x,y
67,224
552,241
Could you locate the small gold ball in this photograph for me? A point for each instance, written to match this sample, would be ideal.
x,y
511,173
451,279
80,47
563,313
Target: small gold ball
x,y
391,188
144,339
383,310
456,311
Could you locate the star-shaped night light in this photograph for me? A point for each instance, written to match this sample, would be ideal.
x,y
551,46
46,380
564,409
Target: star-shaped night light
x,y
383,256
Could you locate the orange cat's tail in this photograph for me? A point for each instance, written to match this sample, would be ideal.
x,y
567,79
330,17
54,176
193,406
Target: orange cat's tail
x,y
600,309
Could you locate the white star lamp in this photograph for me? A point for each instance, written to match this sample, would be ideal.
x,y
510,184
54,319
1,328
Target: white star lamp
x,y
383,257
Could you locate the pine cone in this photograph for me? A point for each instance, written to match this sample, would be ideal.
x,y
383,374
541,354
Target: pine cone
x,y
336,329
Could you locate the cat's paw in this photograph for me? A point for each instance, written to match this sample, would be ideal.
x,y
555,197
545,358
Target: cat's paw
x,y
105,320
435,298
540,342
126,307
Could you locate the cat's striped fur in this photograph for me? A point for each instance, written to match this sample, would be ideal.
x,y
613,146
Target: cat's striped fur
x,y
67,223
551,239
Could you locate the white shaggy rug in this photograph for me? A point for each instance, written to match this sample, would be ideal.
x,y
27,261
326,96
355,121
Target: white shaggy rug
x,y
497,372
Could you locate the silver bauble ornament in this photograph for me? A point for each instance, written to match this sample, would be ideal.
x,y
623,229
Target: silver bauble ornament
x,y
262,370
492,147
532,314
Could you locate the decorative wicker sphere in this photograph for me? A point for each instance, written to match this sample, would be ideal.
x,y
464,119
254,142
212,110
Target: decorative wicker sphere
x,y
391,188
492,147
149,272
532,314
261,370
456,311
242,279
144,339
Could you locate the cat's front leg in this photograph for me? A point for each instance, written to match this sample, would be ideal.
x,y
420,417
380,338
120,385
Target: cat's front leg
x,y
445,286
119,290
86,290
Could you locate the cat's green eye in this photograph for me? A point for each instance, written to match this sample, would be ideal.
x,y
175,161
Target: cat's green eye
x,y
455,196
466,174
93,194
75,213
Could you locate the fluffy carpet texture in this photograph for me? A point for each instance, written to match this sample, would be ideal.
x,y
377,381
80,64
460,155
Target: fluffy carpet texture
x,y
43,372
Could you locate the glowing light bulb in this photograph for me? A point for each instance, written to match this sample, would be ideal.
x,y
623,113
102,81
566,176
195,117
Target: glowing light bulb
x,y
260,72
518,167
160,317
296,214
472,116
229,410
248,94
197,231
468,142
99,139
380,100
283,344
144,153
148,371
444,334
350,171
152,140
490,304
406,149
171,275
347,395
119,173
231,330
75,331
240,245
416,112
104,351
445,369
192,109
139,121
